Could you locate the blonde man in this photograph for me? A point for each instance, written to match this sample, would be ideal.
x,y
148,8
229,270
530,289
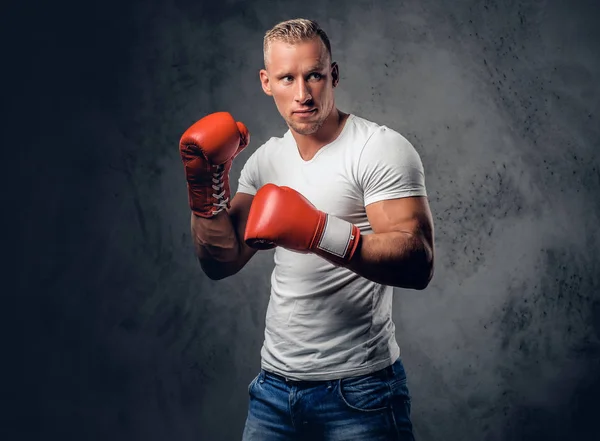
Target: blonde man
x,y
343,202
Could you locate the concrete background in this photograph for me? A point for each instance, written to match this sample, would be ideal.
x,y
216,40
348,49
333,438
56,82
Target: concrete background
x,y
111,331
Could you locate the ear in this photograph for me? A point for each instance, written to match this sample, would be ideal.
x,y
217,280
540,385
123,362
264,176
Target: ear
x,y
264,81
335,74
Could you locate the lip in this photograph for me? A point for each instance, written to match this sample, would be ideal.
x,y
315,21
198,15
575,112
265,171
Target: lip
x,y
305,112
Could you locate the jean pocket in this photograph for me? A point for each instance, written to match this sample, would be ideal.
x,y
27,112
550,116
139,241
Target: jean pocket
x,y
252,383
368,393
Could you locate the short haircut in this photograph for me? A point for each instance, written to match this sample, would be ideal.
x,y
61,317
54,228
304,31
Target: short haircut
x,y
294,31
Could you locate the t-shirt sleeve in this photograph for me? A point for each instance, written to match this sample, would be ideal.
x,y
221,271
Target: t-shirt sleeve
x,y
389,167
249,181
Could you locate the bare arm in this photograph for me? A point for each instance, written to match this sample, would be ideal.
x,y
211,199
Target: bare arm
x,y
219,241
400,252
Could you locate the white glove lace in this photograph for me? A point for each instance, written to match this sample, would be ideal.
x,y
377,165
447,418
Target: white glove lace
x,y
219,185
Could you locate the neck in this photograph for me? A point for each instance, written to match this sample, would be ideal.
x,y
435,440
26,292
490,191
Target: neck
x,y
309,145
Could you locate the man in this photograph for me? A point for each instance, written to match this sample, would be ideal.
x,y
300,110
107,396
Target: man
x,y
343,200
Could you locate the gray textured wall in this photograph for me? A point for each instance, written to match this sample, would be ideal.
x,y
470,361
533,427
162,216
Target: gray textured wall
x,y
111,331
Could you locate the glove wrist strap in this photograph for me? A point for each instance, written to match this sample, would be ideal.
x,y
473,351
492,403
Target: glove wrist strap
x,y
338,240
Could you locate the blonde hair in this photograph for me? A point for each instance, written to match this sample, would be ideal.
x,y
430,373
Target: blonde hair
x,y
294,31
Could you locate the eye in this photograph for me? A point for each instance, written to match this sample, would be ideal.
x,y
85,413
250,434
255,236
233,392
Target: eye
x,y
316,75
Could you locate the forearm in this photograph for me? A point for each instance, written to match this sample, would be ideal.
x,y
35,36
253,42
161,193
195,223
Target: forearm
x,y
397,259
216,244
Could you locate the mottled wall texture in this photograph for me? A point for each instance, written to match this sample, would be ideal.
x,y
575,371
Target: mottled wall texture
x,y
110,331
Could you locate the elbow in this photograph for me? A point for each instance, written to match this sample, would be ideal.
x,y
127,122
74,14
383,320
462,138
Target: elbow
x,y
215,276
215,272
423,281
425,274
418,281
428,267
416,275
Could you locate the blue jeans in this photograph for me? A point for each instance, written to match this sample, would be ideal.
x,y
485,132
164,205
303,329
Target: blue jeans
x,y
373,407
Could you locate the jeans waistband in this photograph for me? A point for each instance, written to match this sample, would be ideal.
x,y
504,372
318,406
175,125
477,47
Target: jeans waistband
x,y
384,373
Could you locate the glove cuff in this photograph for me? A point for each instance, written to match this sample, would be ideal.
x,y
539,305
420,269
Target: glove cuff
x,y
338,241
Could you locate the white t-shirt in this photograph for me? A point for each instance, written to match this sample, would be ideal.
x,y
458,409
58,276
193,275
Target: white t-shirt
x,y
323,321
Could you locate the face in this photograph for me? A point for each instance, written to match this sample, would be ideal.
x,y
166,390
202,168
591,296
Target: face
x,y
301,79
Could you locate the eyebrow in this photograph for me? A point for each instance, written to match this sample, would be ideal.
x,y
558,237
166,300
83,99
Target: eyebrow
x,y
314,68
319,66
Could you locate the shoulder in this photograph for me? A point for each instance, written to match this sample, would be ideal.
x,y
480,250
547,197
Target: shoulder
x,y
274,145
389,167
381,143
374,135
361,129
386,138
263,163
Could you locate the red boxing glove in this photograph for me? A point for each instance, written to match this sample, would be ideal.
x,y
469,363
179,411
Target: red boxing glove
x,y
207,149
280,216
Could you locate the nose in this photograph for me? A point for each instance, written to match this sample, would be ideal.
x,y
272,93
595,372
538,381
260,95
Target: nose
x,y
303,92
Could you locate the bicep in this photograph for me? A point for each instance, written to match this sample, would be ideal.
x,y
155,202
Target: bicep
x,y
410,215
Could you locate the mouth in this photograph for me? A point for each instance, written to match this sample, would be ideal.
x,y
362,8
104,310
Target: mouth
x,y
305,112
